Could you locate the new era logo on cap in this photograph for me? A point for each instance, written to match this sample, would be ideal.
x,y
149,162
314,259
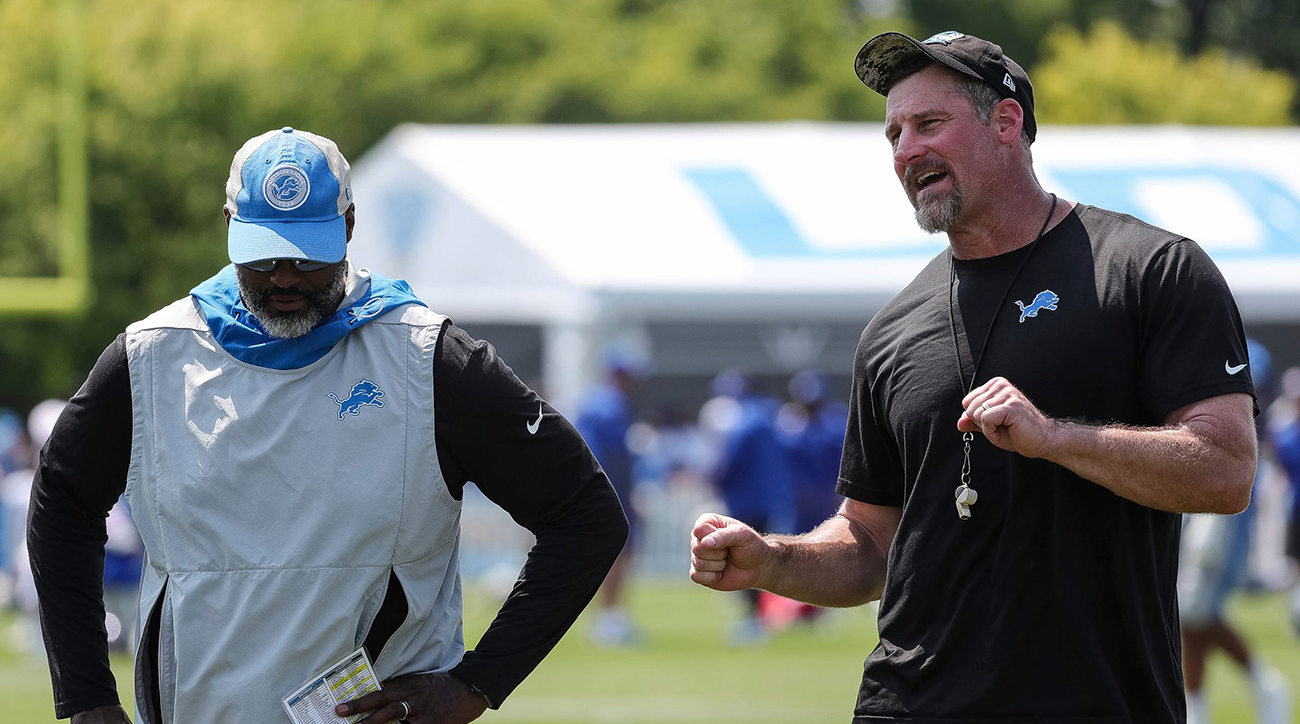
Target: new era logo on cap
x,y
1006,81
287,195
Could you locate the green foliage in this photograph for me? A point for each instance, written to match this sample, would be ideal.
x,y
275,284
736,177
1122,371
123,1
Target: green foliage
x,y
175,88
1265,30
1108,77
1016,25
29,97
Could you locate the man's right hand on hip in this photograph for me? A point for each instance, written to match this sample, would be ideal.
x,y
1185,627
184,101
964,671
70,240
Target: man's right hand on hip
x,y
114,714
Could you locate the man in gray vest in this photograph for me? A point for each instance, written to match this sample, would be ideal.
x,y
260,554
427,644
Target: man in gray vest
x,y
293,438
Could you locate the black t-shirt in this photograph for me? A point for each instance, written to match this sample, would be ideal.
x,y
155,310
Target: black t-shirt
x,y
1056,599
544,476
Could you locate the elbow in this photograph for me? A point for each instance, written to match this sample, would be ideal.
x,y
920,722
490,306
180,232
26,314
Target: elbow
x,y
607,530
622,531
1229,469
615,531
1233,493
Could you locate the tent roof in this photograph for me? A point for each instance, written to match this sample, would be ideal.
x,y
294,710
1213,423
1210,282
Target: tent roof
x,y
562,223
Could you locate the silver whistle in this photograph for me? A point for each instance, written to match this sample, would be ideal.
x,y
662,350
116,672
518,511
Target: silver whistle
x,y
966,497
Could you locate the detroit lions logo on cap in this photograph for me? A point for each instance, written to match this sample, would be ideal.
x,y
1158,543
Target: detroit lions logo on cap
x,y
286,187
945,37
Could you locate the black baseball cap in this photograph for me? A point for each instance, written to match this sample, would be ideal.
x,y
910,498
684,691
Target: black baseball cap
x,y
890,57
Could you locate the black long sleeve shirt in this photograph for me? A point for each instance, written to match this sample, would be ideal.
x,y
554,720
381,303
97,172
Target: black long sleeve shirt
x,y
543,476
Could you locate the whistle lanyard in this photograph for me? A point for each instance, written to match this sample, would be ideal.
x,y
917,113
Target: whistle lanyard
x,y
965,494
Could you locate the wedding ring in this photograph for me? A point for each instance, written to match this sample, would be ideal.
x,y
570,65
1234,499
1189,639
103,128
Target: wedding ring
x,y
984,407
406,709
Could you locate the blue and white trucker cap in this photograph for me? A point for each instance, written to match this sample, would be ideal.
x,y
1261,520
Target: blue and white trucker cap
x,y
287,193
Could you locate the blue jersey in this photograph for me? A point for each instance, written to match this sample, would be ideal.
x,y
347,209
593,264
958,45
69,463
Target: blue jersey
x,y
603,422
756,475
1287,444
816,451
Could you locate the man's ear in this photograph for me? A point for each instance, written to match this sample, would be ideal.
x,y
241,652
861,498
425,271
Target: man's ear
x,y
1008,119
350,219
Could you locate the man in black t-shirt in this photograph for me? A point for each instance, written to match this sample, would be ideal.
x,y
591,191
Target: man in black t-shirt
x,y
1028,417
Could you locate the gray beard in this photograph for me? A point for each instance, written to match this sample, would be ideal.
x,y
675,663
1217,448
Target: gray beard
x,y
936,216
288,325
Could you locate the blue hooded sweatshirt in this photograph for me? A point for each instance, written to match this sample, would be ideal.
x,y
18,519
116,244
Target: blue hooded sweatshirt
x,y
239,333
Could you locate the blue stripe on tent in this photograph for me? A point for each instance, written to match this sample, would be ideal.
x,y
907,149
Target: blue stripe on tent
x,y
764,230
760,226
1273,205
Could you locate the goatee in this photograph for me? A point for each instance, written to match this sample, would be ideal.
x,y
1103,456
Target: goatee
x,y
937,215
318,305
933,214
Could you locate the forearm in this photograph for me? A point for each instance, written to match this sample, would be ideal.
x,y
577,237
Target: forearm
x,y
563,572
82,472
527,458
837,564
67,560
1184,468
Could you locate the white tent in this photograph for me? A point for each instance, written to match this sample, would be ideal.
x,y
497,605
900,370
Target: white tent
x,y
592,232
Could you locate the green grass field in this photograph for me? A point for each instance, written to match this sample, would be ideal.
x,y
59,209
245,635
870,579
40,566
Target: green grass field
x,y
686,672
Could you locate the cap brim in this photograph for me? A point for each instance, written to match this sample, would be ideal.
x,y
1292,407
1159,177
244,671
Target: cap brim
x,y
889,57
312,240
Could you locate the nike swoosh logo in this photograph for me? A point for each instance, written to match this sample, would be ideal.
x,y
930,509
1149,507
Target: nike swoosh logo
x,y
1233,370
532,426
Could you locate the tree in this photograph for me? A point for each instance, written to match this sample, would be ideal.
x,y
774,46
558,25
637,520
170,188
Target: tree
x,y
1106,76
1266,30
175,88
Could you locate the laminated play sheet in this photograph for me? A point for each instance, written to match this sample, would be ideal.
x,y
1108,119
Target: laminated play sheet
x,y
349,678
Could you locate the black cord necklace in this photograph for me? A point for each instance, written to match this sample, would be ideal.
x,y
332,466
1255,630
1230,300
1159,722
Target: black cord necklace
x,y
966,495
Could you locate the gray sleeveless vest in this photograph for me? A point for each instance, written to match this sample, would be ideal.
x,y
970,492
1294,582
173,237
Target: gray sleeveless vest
x,y
275,505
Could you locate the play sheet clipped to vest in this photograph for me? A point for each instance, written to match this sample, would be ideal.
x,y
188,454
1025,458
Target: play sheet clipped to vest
x,y
349,678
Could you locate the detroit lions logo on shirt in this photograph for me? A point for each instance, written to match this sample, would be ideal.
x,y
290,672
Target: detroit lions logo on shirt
x,y
363,393
1046,299
286,187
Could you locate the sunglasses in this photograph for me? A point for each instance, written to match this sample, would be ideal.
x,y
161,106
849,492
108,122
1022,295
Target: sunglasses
x,y
302,265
